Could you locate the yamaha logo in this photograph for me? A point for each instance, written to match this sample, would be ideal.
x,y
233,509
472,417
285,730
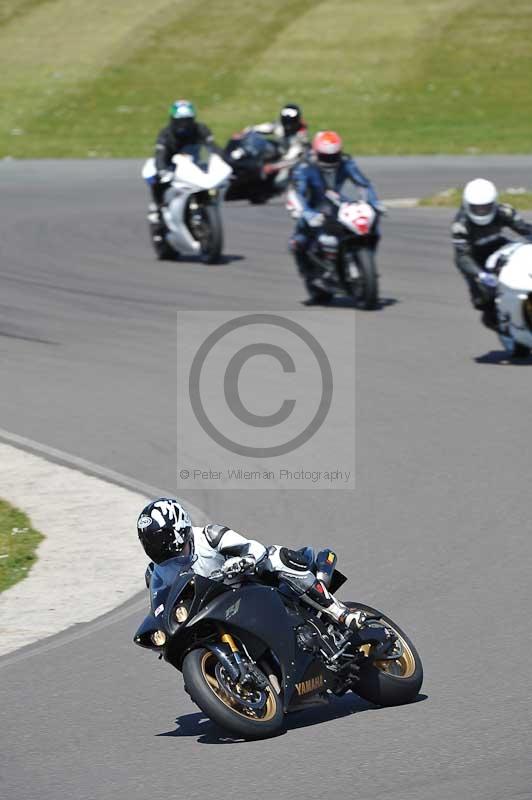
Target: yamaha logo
x,y
144,522
312,685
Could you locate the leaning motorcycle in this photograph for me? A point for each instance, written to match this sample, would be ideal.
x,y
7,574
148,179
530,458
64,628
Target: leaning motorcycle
x,y
260,170
514,298
251,652
344,252
192,224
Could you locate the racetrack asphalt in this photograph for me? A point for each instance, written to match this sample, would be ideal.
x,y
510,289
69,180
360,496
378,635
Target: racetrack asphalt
x,y
436,533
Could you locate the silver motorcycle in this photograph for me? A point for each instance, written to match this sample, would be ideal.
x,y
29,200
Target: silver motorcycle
x,y
191,219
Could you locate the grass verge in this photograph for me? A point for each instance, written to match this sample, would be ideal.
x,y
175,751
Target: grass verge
x,y
18,543
397,76
452,198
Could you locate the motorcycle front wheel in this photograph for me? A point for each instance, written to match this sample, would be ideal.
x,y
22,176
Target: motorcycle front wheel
x,y
364,289
244,712
210,235
389,683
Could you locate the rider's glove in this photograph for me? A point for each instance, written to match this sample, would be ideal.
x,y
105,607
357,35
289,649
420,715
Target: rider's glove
x,y
165,175
487,279
313,218
238,565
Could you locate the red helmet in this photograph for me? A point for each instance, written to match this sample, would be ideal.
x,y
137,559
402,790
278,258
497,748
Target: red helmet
x,y
328,147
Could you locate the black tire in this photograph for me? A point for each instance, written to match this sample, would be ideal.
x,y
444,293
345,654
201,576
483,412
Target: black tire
x,y
520,351
258,199
212,241
208,694
365,290
383,687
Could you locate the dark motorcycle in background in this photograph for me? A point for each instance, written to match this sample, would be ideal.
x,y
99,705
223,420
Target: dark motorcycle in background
x,y
343,254
251,652
260,169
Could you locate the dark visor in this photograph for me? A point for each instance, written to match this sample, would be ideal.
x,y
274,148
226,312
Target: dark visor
x,y
481,210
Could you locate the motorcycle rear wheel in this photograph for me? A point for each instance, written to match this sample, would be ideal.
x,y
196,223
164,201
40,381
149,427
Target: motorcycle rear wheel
x,y
365,289
390,683
202,682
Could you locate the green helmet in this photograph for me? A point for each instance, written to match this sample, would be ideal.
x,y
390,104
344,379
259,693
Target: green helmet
x,y
182,109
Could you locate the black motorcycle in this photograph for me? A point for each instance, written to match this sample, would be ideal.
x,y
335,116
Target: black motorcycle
x,y
343,254
259,170
251,652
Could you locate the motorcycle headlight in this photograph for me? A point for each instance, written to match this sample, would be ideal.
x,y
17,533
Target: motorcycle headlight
x,y
158,638
181,613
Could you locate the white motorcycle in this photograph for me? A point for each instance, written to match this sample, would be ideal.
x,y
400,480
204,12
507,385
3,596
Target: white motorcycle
x,y
345,250
514,297
191,210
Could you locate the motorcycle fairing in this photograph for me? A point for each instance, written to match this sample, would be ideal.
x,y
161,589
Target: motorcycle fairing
x,y
174,213
259,611
148,626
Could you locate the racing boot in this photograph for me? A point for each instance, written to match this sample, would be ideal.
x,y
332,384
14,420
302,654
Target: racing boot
x,y
319,597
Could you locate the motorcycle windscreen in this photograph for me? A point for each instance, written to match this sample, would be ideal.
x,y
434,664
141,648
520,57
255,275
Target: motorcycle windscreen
x,y
164,575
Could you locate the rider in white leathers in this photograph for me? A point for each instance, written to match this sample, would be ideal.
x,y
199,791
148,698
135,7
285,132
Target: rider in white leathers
x,y
165,531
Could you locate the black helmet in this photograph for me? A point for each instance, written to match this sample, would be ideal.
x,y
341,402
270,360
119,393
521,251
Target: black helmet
x,y
290,118
164,529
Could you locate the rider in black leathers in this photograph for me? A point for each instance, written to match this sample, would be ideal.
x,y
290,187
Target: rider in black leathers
x,y
182,134
476,236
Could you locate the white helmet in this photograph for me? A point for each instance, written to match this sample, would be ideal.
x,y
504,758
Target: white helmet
x,y
480,201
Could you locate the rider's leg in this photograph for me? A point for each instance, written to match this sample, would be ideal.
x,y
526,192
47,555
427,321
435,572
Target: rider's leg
x,y
299,244
157,192
291,568
483,300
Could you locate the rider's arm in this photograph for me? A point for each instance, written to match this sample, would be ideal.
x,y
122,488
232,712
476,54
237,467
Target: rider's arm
x,y
513,219
267,128
163,152
207,139
358,177
230,543
463,256
300,182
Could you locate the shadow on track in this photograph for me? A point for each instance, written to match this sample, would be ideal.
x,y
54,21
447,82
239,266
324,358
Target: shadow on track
x,y
501,358
198,724
225,258
346,302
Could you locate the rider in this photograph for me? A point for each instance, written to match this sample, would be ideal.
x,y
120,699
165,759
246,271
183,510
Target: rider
x,y
290,135
327,168
183,133
289,130
165,530
477,233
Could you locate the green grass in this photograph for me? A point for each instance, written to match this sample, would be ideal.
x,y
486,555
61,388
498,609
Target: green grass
x,y
452,198
394,76
18,543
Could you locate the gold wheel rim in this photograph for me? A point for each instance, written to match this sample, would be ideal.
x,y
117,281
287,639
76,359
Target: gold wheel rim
x,y
208,662
406,663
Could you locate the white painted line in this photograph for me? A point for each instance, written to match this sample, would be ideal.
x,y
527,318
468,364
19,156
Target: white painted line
x,y
402,202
